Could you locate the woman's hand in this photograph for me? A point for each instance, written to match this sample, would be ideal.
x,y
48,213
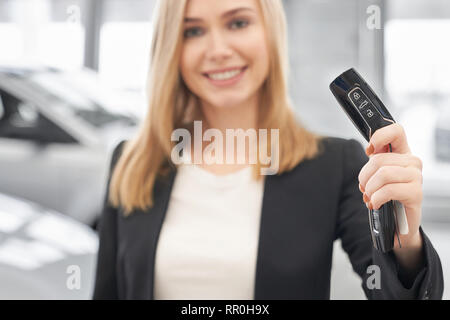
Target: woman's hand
x,y
395,176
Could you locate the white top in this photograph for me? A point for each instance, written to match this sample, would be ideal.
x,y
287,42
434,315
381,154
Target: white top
x,y
208,242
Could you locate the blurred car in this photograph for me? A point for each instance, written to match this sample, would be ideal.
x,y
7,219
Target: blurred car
x,y
44,254
57,132
442,136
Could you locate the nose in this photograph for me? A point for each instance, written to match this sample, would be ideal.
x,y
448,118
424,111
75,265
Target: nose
x,y
218,49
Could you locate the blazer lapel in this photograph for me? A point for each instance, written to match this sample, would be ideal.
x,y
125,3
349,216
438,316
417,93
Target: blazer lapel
x,y
163,189
267,231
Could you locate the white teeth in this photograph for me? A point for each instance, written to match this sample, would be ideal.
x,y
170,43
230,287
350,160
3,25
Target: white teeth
x,y
224,75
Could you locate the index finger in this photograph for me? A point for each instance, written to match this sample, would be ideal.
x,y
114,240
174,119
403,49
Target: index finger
x,y
393,134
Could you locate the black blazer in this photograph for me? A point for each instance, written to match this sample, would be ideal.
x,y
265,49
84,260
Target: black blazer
x,y
303,212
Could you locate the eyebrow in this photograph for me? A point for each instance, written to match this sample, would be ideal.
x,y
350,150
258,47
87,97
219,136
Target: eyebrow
x,y
226,14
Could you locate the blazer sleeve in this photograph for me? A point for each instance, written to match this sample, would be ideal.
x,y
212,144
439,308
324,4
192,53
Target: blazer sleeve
x,y
353,230
105,279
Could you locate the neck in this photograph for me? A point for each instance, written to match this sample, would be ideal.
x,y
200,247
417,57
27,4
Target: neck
x,y
243,116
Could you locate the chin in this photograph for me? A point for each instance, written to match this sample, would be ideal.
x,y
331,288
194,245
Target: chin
x,y
227,102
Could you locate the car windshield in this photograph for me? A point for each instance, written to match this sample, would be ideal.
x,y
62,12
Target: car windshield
x,y
56,87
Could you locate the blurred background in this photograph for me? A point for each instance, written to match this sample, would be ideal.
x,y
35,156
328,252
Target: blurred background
x,y
72,78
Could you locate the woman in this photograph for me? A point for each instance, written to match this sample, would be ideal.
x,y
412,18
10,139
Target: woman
x,y
214,230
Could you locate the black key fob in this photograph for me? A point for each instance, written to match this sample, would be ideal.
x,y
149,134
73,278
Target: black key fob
x,y
369,114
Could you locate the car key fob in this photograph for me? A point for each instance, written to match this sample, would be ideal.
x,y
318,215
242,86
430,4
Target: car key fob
x,y
369,114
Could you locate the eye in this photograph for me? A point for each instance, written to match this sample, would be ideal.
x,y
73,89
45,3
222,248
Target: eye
x,y
239,24
192,32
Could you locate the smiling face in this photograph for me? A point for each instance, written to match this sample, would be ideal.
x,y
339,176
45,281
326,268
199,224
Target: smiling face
x,y
224,59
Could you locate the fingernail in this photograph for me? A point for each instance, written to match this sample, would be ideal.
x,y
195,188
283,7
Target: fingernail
x,y
366,198
370,206
361,188
369,149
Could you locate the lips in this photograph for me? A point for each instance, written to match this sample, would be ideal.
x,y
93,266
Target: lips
x,y
224,74
227,79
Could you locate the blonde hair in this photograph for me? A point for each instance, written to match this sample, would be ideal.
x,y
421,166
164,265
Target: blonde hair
x,y
172,105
